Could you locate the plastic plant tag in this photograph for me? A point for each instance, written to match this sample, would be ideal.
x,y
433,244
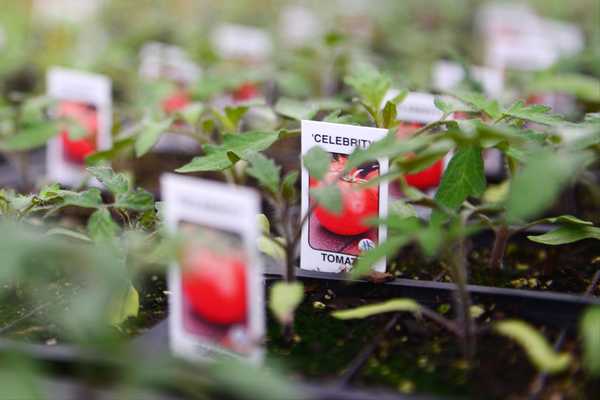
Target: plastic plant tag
x,y
216,305
337,231
449,75
242,43
85,100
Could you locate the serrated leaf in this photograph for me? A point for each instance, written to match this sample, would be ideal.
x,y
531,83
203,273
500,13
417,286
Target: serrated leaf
x,y
536,113
90,198
463,177
117,183
480,103
288,186
295,109
30,136
371,85
123,308
150,133
395,305
536,186
537,348
285,298
589,330
567,234
138,200
101,226
365,262
317,161
217,158
328,196
264,170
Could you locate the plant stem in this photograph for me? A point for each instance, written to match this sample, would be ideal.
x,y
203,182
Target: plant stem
x,y
502,235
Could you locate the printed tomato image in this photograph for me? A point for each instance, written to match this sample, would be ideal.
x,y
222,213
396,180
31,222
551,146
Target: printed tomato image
x,y
76,150
246,91
431,176
214,283
358,204
176,102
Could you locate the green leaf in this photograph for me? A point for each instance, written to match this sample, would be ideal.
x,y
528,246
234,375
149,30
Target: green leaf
x,y
235,114
138,200
328,196
295,109
268,246
335,117
91,198
567,234
581,86
589,330
288,186
539,351
217,157
536,113
568,220
536,186
395,305
101,226
150,133
480,103
120,146
285,298
191,113
365,262
264,170
317,162
464,177
371,85
117,183
123,308
30,136
389,115
68,233
263,223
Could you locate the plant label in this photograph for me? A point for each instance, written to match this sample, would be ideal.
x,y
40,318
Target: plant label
x,y
216,304
84,102
449,75
242,43
331,242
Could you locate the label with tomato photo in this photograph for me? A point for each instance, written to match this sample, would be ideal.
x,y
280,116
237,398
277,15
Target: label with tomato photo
x,y
84,104
216,290
331,242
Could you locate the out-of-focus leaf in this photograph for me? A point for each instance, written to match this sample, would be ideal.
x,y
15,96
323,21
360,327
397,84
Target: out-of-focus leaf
x,y
567,234
120,146
589,330
481,103
123,308
68,233
328,196
101,226
395,305
288,186
581,86
317,162
30,136
150,133
537,348
285,298
365,262
295,109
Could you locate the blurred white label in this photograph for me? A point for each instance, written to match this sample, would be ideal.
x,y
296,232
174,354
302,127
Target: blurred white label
x,y
448,75
164,61
241,42
298,26
416,107
66,10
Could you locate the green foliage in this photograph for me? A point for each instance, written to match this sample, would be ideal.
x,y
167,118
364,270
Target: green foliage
x,y
285,298
295,109
328,196
264,170
395,305
539,351
150,131
101,226
234,147
317,161
567,234
589,330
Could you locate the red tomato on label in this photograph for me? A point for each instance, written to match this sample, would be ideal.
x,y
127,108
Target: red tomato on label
x,y
358,204
77,150
246,91
175,102
429,177
215,285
